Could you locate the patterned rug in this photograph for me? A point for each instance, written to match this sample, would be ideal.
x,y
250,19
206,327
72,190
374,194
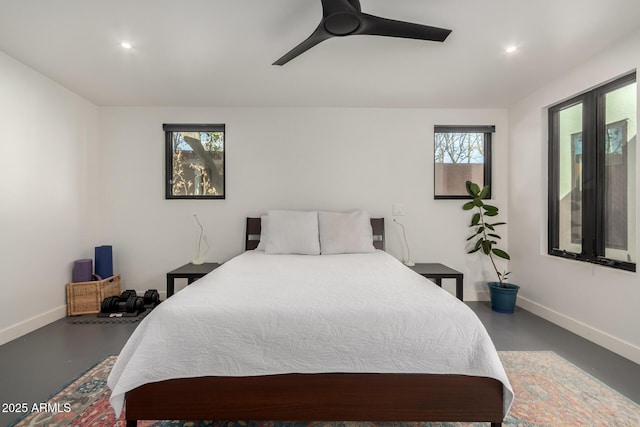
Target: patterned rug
x,y
549,391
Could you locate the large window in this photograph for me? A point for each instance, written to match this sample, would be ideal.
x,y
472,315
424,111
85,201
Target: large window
x,y
194,161
461,154
592,175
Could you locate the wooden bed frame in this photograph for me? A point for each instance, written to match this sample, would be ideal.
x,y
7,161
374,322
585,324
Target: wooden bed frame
x,y
320,397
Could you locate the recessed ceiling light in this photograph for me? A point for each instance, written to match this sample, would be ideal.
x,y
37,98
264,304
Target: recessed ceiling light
x,y
126,45
511,49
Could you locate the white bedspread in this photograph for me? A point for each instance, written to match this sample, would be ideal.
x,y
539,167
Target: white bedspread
x,y
263,314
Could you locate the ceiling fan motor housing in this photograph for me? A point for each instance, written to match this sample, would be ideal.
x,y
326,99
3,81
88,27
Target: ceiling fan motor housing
x,y
341,24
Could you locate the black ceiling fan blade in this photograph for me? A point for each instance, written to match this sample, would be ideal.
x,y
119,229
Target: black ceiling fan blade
x,y
330,7
377,26
356,5
319,35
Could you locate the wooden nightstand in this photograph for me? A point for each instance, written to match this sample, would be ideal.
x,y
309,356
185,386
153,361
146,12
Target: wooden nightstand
x,y
191,272
436,272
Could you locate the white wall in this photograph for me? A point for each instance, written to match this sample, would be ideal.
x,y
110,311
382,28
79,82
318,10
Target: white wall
x,y
285,158
48,184
73,176
596,302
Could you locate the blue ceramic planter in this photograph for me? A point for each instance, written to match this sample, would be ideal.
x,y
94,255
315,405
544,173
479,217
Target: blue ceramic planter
x,y
503,300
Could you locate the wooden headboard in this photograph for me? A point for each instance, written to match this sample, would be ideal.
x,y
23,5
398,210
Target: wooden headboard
x,y
252,234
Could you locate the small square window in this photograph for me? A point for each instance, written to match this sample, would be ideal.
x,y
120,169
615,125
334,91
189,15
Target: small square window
x,y
461,154
195,167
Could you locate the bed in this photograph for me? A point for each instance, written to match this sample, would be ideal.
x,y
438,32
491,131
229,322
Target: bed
x,y
158,380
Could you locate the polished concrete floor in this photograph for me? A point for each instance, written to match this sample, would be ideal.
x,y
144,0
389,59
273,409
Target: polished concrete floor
x,y
38,364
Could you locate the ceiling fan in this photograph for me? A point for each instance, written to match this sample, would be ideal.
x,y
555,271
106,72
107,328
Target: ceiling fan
x,y
345,18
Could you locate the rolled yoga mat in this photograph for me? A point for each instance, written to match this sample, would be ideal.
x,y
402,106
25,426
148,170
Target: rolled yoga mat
x,y
104,261
82,270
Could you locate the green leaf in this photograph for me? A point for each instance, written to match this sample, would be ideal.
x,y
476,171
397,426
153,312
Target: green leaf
x,y
475,188
478,244
500,253
479,230
491,213
476,219
469,205
471,237
489,226
473,251
490,208
498,223
503,276
478,202
494,235
484,192
468,187
486,247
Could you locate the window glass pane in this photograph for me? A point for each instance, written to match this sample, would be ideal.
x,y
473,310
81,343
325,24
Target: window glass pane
x,y
620,173
197,164
592,141
459,157
570,179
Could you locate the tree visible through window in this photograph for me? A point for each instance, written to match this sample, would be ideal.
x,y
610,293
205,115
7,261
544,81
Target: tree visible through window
x,y
194,161
461,154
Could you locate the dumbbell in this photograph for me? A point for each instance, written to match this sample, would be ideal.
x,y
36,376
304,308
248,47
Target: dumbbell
x,y
134,304
117,305
131,301
110,305
128,293
151,298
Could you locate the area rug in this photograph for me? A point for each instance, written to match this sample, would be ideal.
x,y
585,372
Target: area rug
x,y
550,392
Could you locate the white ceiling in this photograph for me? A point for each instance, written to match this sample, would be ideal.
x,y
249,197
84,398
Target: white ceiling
x,y
219,52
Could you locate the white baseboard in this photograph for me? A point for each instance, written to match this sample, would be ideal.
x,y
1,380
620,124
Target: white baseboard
x,y
590,333
29,325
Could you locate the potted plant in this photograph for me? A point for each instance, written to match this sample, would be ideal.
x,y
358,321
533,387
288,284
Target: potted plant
x,y
485,240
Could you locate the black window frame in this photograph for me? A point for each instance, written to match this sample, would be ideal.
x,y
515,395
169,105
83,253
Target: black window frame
x,y
192,127
487,130
593,176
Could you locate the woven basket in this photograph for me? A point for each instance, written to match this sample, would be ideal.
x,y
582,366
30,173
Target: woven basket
x,y
86,297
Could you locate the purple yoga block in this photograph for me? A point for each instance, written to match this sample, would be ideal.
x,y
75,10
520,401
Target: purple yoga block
x,y
82,270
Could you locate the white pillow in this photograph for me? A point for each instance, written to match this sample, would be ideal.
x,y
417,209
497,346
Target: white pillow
x,y
292,232
263,234
345,233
